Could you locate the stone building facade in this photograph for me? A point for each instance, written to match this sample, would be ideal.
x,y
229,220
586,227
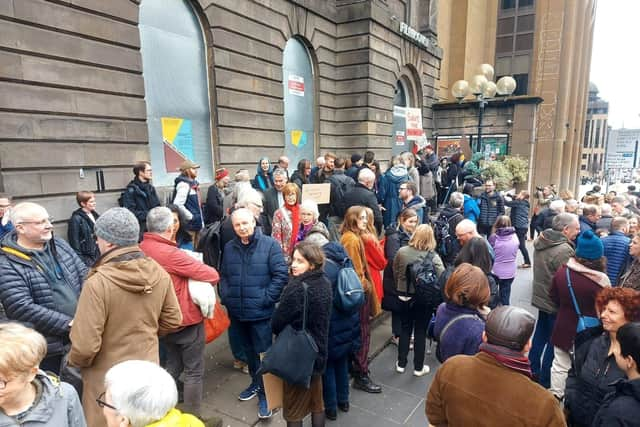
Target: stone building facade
x,y
594,148
546,46
78,106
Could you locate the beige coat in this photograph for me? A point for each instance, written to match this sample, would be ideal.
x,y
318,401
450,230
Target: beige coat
x,y
126,301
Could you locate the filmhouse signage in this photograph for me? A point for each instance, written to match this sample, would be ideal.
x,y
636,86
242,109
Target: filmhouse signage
x,y
413,35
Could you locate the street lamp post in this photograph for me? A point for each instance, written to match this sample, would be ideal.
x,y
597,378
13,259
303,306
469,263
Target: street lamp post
x,y
483,88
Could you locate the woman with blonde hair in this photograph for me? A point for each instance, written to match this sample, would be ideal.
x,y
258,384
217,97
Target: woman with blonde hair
x,y
286,220
414,318
355,230
459,323
28,396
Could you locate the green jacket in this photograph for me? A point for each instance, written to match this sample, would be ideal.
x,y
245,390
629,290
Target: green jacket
x,y
551,251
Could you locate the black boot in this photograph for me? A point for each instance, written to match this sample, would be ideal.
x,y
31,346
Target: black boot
x,y
331,414
364,383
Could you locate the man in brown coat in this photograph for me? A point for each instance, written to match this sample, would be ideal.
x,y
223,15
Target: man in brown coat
x,y
494,387
126,302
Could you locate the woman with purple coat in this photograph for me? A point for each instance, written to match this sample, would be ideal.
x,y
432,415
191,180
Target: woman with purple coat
x,y
505,244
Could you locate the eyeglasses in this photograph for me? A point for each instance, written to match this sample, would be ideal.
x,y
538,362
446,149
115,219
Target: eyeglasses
x,y
40,223
402,188
101,403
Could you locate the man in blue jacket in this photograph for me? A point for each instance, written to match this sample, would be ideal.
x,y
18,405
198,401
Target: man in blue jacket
x,y
253,273
40,279
616,248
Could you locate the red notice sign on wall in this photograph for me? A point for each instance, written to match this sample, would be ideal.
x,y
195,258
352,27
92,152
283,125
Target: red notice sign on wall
x,y
414,124
296,85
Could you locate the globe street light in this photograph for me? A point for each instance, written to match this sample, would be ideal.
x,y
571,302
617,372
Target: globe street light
x,y
483,88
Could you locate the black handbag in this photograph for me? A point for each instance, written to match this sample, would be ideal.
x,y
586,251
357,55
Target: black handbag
x,y
293,353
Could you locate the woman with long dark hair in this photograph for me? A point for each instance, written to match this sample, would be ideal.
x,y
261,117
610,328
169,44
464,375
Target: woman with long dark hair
x,y
307,264
264,175
301,175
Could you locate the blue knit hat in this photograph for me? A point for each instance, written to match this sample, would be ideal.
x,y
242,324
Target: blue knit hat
x,y
589,246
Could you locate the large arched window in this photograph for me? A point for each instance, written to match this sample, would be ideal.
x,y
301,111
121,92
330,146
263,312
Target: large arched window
x,y
299,102
405,96
176,88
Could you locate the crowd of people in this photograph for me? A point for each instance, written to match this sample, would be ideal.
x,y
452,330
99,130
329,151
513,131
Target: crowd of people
x,y
427,240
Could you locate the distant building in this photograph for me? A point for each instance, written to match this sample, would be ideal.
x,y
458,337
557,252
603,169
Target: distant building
x,y
546,46
594,148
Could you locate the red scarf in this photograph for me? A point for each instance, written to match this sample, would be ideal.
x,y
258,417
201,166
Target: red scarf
x,y
295,224
508,358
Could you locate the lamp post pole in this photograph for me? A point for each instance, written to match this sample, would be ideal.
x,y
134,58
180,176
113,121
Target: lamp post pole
x,y
478,144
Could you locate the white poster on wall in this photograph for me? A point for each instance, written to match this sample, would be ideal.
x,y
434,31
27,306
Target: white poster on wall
x,y
296,85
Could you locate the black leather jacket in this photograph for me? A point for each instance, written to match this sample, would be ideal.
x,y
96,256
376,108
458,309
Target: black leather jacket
x,y
81,236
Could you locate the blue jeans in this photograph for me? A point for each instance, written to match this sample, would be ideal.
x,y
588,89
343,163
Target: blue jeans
x,y
335,382
541,347
505,290
255,338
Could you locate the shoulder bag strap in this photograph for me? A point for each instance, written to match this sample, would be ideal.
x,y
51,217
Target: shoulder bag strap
x,y
304,306
573,296
452,321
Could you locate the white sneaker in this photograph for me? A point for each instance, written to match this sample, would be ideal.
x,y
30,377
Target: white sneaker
x,y
399,369
424,371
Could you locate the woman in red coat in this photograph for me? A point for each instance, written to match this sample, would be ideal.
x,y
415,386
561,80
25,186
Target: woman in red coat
x,y
374,253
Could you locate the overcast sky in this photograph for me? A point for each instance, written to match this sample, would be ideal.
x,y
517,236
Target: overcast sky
x,y
615,62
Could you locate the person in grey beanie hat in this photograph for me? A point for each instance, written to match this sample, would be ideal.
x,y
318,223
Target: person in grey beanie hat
x,y
118,226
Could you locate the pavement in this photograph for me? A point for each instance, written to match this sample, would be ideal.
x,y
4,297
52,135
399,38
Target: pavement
x,y
401,403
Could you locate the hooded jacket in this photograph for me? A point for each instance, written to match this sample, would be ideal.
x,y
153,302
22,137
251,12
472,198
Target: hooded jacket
x,y
471,209
127,301
58,405
417,203
551,250
586,285
622,407
389,185
505,245
175,418
26,294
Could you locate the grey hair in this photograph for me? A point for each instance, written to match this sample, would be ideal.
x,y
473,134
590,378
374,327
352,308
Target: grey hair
x,y
317,239
159,219
241,211
574,203
562,220
366,175
310,205
22,211
248,197
395,160
605,209
279,172
467,226
141,391
619,199
557,206
408,157
456,199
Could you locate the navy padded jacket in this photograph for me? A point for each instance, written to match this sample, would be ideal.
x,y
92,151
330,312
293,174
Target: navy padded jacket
x,y
27,296
616,249
252,277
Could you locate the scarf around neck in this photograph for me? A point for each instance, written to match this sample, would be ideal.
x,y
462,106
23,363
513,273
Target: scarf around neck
x,y
508,358
295,224
596,276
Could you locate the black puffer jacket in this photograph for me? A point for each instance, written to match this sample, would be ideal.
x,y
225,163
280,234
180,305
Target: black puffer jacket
x,y
590,378
81,236
491,206
519,212
621,408
26,294
319,306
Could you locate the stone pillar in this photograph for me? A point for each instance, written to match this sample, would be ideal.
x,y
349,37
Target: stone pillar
x,y
572,30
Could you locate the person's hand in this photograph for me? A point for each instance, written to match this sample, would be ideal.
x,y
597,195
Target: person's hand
x,y
405,299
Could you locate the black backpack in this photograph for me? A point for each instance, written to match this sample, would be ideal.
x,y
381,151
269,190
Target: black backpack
x,y
422,274
447,243
340,185
209,245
